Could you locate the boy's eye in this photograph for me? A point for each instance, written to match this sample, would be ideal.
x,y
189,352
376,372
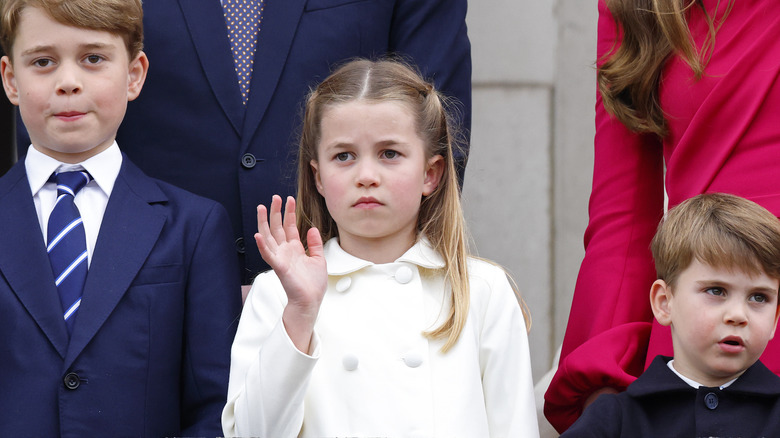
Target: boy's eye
x,y
43,62
717,291
94,59
759,298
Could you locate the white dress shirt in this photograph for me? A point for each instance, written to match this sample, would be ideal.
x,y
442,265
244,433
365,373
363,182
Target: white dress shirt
x,y
91,200
371,372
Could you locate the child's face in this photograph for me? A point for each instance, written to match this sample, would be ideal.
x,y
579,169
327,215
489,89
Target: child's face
x,y
721,320
72,85
372,171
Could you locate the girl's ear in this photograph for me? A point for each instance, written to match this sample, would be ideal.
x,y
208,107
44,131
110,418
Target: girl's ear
x,y
136,75
9,80
661,302
315,169
433,171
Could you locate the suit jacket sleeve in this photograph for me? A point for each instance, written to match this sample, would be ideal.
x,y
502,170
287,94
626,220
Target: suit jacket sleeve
x,y
433,33
610,319
212,305
268,375
602,419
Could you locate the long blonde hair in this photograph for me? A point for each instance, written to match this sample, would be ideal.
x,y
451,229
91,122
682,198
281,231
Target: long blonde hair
x,y
652,31
440,218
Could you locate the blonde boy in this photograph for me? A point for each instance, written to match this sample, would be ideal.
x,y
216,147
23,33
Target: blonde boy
x,y
717,258
143,347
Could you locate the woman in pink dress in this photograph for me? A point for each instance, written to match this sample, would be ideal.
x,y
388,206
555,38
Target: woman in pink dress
x,y
693,89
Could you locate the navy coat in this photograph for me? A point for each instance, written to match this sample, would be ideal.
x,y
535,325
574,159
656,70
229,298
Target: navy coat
x,y
150,350
660,404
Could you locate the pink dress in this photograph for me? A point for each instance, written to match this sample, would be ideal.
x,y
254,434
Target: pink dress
x,y
724,137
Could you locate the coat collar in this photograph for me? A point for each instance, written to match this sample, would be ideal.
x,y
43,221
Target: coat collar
x,y
340,262
658,378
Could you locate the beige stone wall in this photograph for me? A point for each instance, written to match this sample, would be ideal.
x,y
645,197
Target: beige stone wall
x,y
528,179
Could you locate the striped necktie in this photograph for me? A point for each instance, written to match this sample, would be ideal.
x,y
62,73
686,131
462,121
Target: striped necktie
x,y
243,23
67,244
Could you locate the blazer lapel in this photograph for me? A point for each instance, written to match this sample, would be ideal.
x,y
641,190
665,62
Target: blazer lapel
x,y
23,260
206,24
128,233
277,31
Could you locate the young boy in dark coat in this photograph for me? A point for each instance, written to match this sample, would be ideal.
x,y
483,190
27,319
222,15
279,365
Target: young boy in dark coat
x,y
717,257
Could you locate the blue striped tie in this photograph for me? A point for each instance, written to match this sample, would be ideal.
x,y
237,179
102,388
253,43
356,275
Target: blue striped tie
x,y
67,244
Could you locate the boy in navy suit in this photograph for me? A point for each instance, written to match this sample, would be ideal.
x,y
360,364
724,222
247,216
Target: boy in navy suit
x,y
118,293
717,258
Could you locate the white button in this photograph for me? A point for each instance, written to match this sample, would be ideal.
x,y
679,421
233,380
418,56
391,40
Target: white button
x,y
350,362
403,275
413,359
343,284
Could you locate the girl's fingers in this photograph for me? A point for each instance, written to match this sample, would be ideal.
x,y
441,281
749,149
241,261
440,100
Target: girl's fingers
x,y
275,219
290,226
314,241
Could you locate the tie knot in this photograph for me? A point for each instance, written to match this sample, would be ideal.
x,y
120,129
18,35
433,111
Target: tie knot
x,y
71,182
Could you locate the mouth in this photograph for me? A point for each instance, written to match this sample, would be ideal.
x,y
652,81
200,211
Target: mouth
x,y
732,344
69,115
367,202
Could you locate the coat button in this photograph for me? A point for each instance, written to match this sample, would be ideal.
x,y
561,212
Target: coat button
x,y
711,400
350,362
343,284
72,381
248,161
240,247
412,359
403,275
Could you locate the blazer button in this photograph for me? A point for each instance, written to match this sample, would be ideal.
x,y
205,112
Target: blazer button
x,y
240,247
248,161
403,275
413,359
711,401
72,381
350,362
343,284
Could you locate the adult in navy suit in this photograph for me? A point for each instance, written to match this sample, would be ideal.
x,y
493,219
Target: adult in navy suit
x,y
190,127
149,349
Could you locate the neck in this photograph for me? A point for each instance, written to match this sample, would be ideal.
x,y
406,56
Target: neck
x,y
379,250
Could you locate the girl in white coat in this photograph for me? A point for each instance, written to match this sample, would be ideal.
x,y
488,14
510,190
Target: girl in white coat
x,y
388,329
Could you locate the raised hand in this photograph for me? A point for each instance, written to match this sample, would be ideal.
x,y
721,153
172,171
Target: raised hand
x,y
303,276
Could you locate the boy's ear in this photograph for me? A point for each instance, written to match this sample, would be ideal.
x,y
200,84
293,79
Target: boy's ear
x,y
660,301
777,315
9,80
136,75
433,172
315,169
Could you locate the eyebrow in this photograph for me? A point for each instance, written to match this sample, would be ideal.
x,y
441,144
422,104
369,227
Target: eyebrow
x,y
47,48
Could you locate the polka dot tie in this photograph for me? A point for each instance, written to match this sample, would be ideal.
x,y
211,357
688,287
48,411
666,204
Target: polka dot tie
x,y
243,23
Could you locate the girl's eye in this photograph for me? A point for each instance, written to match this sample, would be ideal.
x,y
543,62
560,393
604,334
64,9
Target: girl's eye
x,y
390,154
717,291
342,156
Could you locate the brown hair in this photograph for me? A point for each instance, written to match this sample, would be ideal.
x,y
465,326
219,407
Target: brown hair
x,y
720,230
440,218
118,17
652,31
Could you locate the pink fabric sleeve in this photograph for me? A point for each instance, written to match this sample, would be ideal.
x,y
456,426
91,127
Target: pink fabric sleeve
x,y
609,324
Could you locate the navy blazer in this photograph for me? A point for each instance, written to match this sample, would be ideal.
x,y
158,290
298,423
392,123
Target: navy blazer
x,y
150,350
189,127
660,404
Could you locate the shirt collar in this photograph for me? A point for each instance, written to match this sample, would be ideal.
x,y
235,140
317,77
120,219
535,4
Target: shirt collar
x,y
104,168
341,263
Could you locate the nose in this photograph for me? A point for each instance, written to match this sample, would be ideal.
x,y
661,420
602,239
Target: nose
x,y
68,80
736,314
367,173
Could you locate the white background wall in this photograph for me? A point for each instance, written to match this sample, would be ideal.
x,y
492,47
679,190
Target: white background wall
x,y
529,173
